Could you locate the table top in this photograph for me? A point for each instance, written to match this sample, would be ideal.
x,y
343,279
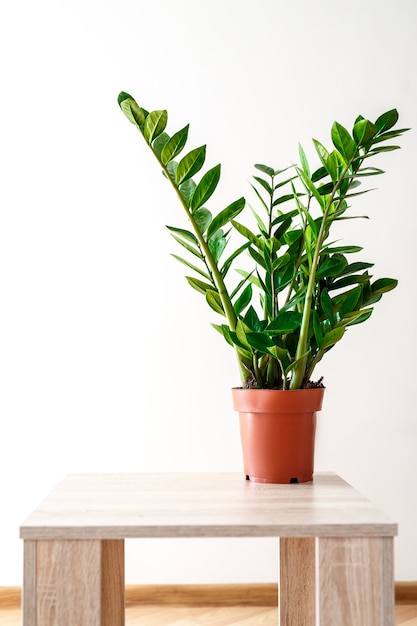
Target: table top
x,y
115,506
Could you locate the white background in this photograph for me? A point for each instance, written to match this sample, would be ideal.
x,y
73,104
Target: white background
x,y
107,358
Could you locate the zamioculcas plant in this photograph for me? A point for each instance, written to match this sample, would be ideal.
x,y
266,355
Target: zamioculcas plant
x,y
302,292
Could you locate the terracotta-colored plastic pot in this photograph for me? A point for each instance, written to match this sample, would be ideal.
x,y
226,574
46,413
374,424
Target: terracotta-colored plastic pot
x,y
277,430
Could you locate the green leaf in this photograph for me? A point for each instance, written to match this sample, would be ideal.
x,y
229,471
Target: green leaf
x,y
159,143
199,285
264,184
387,120
214,301
265,169
186,189
311,186
332,266
364,131
217,244
131,109
185,234
332,337
205,188
174,145
327,305
356,267
191,266
382,285
190,164
171,169
225,216
202,218
361,318
304,162
284,322
342,250
225,331
342,141
230,259
241,330
243,300
252,320
188,247
260,342
350,301
328,160
155,124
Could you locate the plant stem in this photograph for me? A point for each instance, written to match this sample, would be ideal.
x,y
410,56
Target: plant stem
x,y
299,370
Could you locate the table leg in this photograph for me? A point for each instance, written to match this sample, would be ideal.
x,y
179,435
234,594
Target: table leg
x,y
297,585
74,583
356,581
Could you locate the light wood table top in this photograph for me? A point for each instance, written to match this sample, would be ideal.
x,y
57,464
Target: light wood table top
x,y
115,506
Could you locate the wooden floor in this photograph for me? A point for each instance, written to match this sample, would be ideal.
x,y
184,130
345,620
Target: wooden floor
x,y
406,615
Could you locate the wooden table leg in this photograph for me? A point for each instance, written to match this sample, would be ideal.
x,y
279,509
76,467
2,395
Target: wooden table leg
x,y
297,585
356,581
74,583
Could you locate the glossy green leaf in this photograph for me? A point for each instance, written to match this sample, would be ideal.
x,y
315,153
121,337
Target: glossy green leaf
x,y
155,124
159,143
259,342
252,320
303,159
364,131
343,142
225,216
190,164
214,301
284,322
131,109
327,305
185,234
353,279
191,266
350,301
332,266
171,169
243,300
202,218
199,285
387,120
227,264
356,267
224,331
264,184
311,186
332,337
361,318
382,285
175,145
265,169
205,188
186,189
217,244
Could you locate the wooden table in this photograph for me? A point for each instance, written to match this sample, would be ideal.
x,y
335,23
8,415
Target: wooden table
x,y
336,548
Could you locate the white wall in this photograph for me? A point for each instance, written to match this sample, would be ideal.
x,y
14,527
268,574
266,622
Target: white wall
x,y
105,352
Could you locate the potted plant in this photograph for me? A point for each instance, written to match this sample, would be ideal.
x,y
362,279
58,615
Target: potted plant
x,y
300,292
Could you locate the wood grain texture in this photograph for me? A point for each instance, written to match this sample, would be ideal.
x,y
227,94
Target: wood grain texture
x,y
240,594
68,583
297,581
405,615
353,582
119,506
112,583
261,594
